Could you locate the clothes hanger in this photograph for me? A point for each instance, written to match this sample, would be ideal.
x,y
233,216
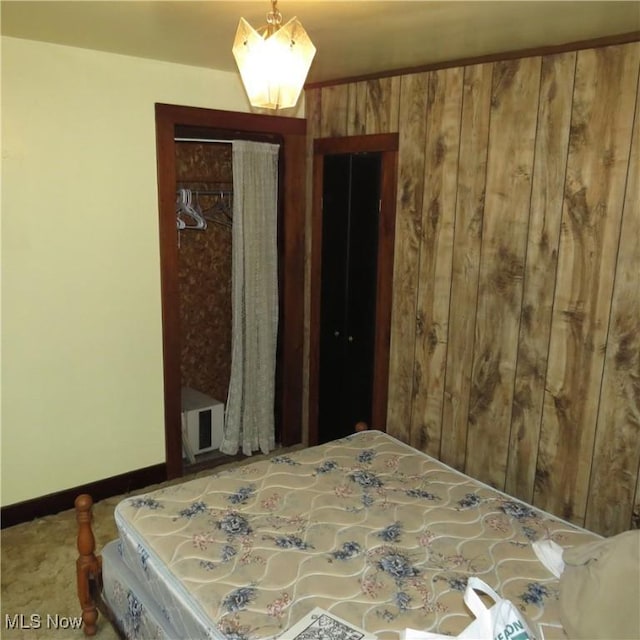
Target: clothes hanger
x,y
220,211
179,221
184,207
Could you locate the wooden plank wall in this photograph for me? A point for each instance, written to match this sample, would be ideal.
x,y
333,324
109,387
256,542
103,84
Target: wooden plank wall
x,y
515,346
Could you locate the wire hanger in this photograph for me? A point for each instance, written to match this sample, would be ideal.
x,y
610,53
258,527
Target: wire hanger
x,y
185,208
220,212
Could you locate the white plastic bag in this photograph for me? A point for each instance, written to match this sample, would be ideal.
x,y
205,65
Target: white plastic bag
x,y
500,621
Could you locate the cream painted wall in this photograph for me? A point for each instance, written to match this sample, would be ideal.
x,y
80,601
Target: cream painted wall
x,y
82,394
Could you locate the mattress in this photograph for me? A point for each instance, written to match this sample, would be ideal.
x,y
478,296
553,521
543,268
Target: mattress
x,y
135,613
365,527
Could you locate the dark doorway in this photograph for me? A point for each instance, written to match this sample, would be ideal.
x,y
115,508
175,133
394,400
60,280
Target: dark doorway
x,y
350,215
351,277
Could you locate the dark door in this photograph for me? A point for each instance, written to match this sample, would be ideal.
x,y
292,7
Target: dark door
x,y
350,217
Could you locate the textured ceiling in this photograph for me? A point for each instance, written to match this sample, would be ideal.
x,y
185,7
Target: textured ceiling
x,y
352,38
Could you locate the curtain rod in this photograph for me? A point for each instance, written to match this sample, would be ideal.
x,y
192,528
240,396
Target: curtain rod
x,y
202,140
209,192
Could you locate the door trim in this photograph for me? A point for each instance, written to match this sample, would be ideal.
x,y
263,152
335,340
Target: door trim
x,y
387,145
291,133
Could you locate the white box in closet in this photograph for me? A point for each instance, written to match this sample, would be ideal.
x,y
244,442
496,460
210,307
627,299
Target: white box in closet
x,y
202,420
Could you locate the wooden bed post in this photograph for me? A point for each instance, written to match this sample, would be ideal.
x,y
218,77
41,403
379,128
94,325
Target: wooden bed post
x,y
88,565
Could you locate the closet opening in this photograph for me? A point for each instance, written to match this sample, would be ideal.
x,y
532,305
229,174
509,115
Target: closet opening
x,y
204,189
195,169
351,279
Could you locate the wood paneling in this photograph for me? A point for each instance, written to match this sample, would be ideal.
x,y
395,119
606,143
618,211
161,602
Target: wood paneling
x,y
635,515
599,140
516,302
514,102
434,267
357,109
554,116
617,450
472,170
383,104
412,132
333,119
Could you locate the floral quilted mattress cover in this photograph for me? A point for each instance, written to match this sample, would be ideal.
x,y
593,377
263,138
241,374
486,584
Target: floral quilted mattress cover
x,y
366,527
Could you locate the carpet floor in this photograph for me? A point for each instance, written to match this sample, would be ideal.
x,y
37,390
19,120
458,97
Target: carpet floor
x,y
38,558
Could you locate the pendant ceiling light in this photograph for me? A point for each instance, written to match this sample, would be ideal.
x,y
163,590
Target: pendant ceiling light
x,y
273,61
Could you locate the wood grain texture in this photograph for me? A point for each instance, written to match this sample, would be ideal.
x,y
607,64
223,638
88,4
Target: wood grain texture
x,y
407,245
542,308
436,250
514,103
554,117
383,105
601,127
472,167
357,109
333,119
617,450
635,515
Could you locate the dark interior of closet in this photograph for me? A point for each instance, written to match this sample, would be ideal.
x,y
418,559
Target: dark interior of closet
x,y
351,275
350,221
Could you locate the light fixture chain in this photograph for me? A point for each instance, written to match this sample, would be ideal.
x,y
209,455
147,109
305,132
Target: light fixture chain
x,y
274,17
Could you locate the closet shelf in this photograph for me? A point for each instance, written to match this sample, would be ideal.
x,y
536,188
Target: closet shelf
x,y
204,180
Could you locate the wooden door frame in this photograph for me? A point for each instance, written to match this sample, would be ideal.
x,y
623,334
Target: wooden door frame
x,y
292,133
387,145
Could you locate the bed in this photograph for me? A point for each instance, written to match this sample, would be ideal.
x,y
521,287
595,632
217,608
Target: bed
x,y
365,527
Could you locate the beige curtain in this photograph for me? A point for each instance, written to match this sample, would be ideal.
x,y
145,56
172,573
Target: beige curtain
x,y
249,414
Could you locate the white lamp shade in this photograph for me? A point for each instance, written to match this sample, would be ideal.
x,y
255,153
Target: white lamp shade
x,y
273,69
